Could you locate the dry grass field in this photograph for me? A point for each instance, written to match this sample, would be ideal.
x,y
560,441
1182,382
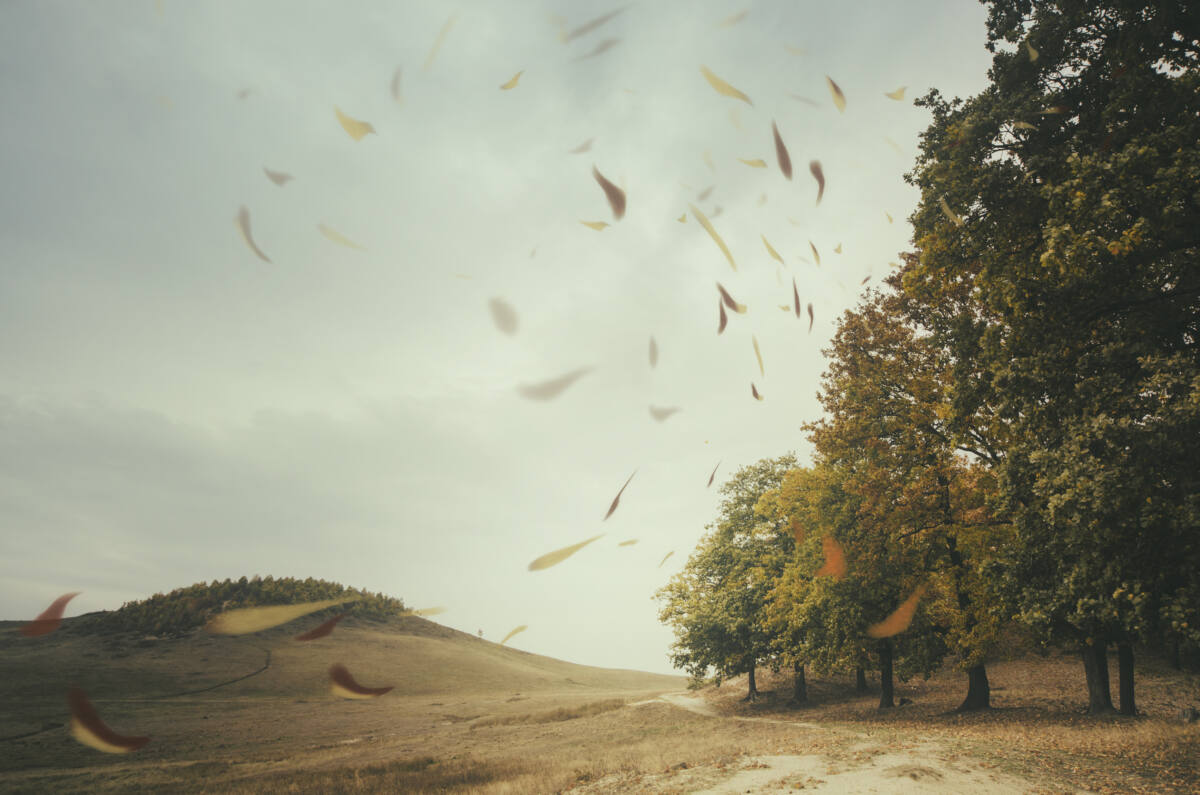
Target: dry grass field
x,y
468,715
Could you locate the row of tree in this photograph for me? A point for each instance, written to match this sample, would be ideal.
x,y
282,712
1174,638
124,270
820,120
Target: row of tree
x,y
1014,421
185,610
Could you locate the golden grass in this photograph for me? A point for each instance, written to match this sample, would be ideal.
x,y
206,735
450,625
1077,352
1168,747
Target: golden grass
x,y
552,716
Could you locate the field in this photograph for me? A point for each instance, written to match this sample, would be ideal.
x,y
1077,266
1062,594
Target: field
x,y
469,715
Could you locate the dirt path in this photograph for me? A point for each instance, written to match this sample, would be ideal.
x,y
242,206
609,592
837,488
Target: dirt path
x,y
915,768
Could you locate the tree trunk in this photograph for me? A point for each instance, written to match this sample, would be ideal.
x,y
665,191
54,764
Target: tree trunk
x,y
1095,666
979,692
1125,678
860,680
753,692
800,687
885,675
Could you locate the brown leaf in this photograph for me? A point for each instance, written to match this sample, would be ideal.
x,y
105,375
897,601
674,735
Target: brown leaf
x,y
49,619
548,390
588,27
343,684
617,499
810,317
781,153
243,225
653,352
714,474
322,630
583,147
87,728
727,299
704,194
602,47
814,167
503,315
660,414
724,318
839,98
796,296
754,391
396,84
278,177
616,196
816,254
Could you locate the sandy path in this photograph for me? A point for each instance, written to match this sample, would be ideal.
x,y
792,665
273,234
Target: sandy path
x,y
923,768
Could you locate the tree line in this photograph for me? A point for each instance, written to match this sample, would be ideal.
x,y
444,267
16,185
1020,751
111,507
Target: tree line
x,y
1012,423
185,610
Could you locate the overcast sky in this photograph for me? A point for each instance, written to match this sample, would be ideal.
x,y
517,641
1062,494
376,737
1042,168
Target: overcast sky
x,y
175,409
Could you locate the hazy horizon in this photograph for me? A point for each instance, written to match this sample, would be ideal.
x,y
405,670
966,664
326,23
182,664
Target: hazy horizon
x,y
174,409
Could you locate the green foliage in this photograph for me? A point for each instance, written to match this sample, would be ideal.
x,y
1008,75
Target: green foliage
x,y
714,603
185,610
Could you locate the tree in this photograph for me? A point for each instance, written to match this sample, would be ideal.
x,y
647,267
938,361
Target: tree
x,y
714,603
1058,236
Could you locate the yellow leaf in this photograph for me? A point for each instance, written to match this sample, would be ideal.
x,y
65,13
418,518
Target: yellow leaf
x,y
338,237
559,555
513,82
839,99
722,87
245,620
597,225
755,163
898,94
771,250
708,227
354,128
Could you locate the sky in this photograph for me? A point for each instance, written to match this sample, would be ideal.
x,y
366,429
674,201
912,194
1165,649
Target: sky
x,y
174,409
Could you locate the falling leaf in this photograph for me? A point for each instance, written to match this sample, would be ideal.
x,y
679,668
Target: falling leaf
x,y
504,316
559,555
717,211
733,118
278,177
898,621
512,83
429,611
958,221
839,98
755,163
548,390
588,27
727,299
616,196
660,414
245,620
243,94
602,47
805,100
796,296
762,200
837,249
889,216
794,50
781,153
771,250
803,258
1023,125
628,543
88,729
664,560
814,168
714,474
597,225
708,161
898,94
521,628
354,128
396,84
893,144
243,224
733,20
322,630
864,281
1033,54
754,391
341,683
583,147
653,352
532,251
722,87
682,219
1055,109
816,254
835,559
758,355
437,44
708,227
49,619
704,194
810,317
338,237
617,499
723,319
